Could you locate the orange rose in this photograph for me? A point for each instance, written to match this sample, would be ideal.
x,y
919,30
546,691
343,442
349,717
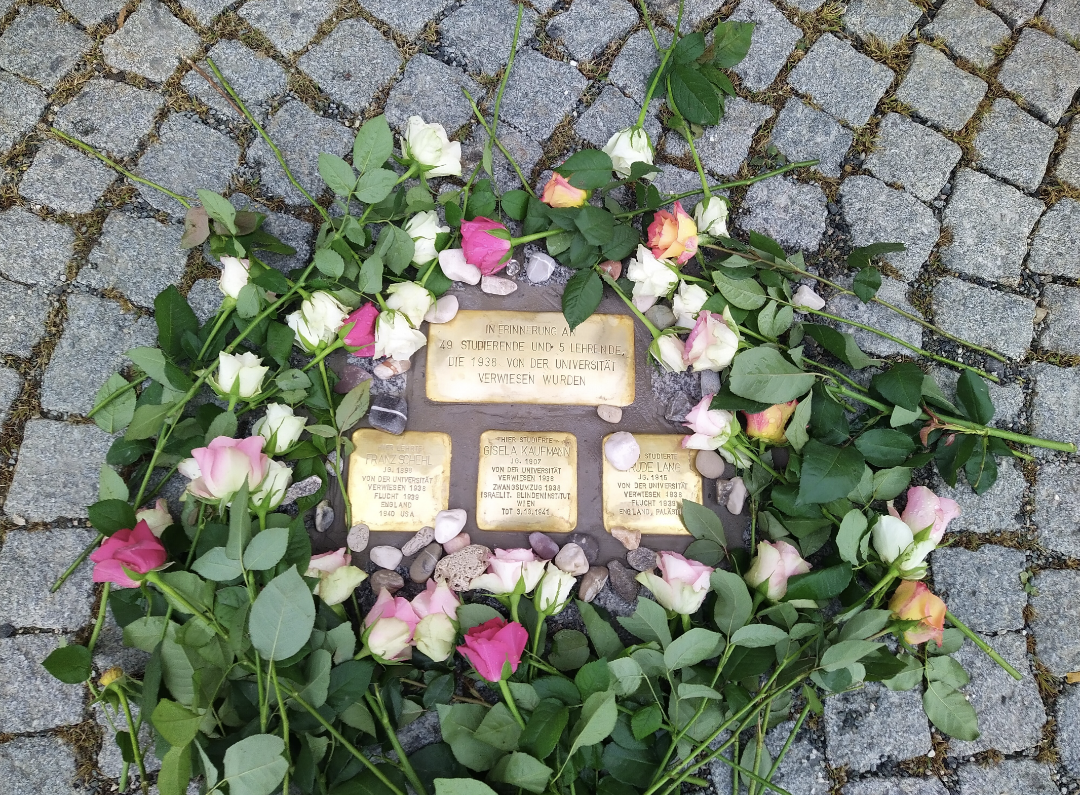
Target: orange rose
x,y
673,235
560,193
913,601
769,424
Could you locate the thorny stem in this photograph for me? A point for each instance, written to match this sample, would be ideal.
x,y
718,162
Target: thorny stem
x,y
134,735
982,644
498,143
377,707
102,608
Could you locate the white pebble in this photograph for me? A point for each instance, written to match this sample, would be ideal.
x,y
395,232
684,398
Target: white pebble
x,y
737,496
539,267
709,464
453,264
390,368
386,557
449,523
443,311
612,414
497,285
572,560
622,450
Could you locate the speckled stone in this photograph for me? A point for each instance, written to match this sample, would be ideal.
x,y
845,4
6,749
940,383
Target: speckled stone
x,y
460,568
1055,407
982,587
1055,240
792,213
969,30
895,292
888,21
622,581
423,537
1057,508
867,727
1009,777
803,133
641,559
876,213
939,91
773,40
151,43
1013,145
995,319
1044,71
912,156
1061,329
37,45
840,79
1057,605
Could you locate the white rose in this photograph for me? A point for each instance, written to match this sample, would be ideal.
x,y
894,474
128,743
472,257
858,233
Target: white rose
x,y
710,216
428,146
394,337
317,321
235,274
240,372
669,350
337,586
554,590
651,277
423,228
281,425
434,636
411,299
713,342
627,147
273,487
687,303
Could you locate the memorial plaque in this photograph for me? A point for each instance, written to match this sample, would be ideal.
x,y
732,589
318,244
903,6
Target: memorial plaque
x,y
531,357
527,481
399,482
648,497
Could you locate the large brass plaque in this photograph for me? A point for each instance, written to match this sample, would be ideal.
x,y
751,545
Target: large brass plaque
x,y
399,482
531,357
527,481
649,496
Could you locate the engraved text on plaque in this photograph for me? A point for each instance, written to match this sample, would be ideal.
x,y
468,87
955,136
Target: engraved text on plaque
x,y
649,496
527,481
399,482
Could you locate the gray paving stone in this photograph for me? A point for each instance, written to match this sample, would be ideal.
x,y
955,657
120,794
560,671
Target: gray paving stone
x,y
152,43
301,136
432,90
127,244
612,111
673,180
36,251
110,760
39,47
1056,240
803,133
187,156
21,105
289,24
65,179
110,116
1064,16
790,212
723,147
255,77
23,311
867,727
843,81
91,12
96,334
1057,606
1013,145
1068,164
1055,408
591,25
29,564
888,21
877,213
1044,71
895,292
204,298
635,62
1057,508
205,10
895,786
1061,329
774,39
21,766
803,770
524,150
31,700
1016,12
939,91
983,587
10,386
804,5
1068,718
990,224
481,31
539,93
912,156
970,31
993,511
1010,777
694,12
408,17
291,231
993,319
1008,399
353,64
111,652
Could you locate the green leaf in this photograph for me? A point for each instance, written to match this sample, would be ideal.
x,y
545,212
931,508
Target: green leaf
x,y
522,770
626,675
973,398
820,585
623,241
844,653
282,616
174,318
175,773
569,650
375,185
631,767
337,174
266,549
731,43
588,169
702,522
648,622
647,721
593,677
110,485
762,374
473,615
950,712
828,473
852,529
796,432
692,647
901,416
861,257
317,676
733,603
756,636
153,362
866,283
598,717
499,728
524,694
116,415
255,766
890,483
603,636
945,669
216,565
515,204
689,48
842,346
108,516
219,208
545,727
373,145
70,664
901,385
742,293
597,225
396,248
883,447
462,786
329,262
581,297
247,301
458,722
694,96
177,724
353,406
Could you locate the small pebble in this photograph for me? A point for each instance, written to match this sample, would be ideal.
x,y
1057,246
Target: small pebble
x,y
443,311
497,285
622,581
385,556
386,579
453,264
424,565
737,496
592,582
709,464
631,539
612,267
460,541
324,516
423,537
543,546
612,414
303,488
588,546
539,267
459,569
389,413
358,537
449,523
622,450
661,316
641,559
391,367
572,560
678,409
349,377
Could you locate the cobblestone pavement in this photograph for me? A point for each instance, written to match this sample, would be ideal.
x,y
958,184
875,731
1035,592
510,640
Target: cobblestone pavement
x,y
946,124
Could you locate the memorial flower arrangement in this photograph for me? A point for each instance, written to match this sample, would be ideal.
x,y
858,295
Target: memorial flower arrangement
x,y
263,672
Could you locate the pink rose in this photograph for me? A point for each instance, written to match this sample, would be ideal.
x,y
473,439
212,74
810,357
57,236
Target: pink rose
x,y
482,249
506,568
774,564
913,601
362,334
220,469
390,625
492,644
712,343
925,509
711,427
436,599
769,424
136,550
156,516
682,584
328,562
673,235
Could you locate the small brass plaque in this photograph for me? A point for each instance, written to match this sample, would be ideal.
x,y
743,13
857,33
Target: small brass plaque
x,y
399,482
531,357
649,496
527,482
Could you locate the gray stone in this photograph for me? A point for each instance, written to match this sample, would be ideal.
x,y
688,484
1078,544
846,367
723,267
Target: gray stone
x,y
22,317
289,24
1057,508
36,250
91,12
386,580
1016,12
1056,240
10,387
424,536
1057,606
1009,777
205,10
21,105
993,511
983,588
22,769
803,770
939,91
187,156
407,17
424,565
1009,401
993,319
127,244
895,292
110,651
432,90
843,81
642,559
591,25
673,180
524,150
29,563
622,581
110,116
866,727
888,21
151,43
635,63
723,147
389,413
895,786
588,545
694,13
354,63
539,94
96,335
110,760
481,31
1055,406
876,213
1068,164
990,223
40,47
613,111
256,78
788,211
1013,145
65,179
804,5
289,230
1068,718
592,582
1044,71
912,156
205,299
31,699
969,30
1061,329
1064,16
773,41
803,133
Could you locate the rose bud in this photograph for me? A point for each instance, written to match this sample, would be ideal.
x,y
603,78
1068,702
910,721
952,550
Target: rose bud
x,y
156,516
411,299
682,584
506,568
553,592
280,427
670,352
687,302
111,675
235,274
491,645
427,146
560,193
713,342
774,564
423,228
710,215
136,551
627,147
317,321
913,601
220,469
394,337
239,374
488,252
362,333
652,278
711,427
273,487
434,636
673,235
436,598
769,425
390,626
